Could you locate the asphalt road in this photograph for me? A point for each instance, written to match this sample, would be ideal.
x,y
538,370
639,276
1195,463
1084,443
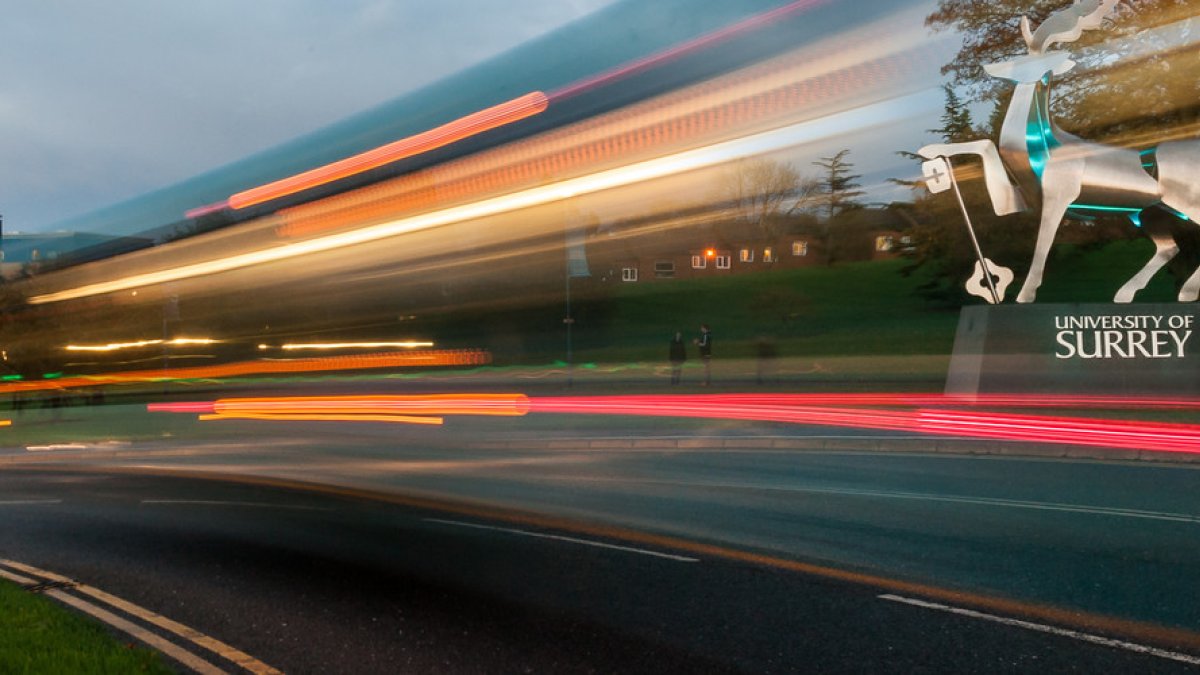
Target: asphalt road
x,y
430,558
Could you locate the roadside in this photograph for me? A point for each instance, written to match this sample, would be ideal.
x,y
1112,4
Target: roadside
x,y
60,650
37,636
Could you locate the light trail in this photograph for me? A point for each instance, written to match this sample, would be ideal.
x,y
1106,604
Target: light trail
x,y
114,346
869,116
408,344
464,127
846,410
412,359
690,47
408,409
1108,433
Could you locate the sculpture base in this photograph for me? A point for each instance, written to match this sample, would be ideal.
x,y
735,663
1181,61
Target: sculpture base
x,y
1094,349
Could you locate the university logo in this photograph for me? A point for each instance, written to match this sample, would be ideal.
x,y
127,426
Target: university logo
x,y
1037,166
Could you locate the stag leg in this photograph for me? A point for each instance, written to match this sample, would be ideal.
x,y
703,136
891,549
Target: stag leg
x,y
1191,288
1165,249
1178,162
1055,200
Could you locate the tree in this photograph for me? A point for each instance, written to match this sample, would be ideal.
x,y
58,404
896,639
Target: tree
x,y
1132,74
839,193
764,193
956,119
837,185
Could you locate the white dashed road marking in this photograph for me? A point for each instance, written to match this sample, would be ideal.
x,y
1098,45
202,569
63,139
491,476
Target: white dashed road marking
x,y
1042,628
571,540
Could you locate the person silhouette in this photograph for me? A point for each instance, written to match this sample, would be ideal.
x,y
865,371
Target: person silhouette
x,y
705,344
677,356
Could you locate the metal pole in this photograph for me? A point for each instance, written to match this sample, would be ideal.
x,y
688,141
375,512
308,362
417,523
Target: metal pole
x,y
569,321
987,273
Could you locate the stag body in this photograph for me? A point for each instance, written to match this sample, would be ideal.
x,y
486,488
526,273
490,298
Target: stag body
x,y
1061,174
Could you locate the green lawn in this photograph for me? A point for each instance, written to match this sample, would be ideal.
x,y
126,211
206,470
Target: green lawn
x,y
38,636
847,310
852,309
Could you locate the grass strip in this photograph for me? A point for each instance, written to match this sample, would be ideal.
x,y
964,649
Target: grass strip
x,y
38,636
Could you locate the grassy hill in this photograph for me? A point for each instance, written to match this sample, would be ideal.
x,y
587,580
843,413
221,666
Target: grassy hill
x,y
853,308
849,309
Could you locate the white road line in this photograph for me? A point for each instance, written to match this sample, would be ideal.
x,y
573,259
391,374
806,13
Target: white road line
x,y
1042,628
977,501
257,505
28,502
573,540
170,649
194,636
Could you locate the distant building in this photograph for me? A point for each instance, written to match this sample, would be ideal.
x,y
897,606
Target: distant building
x,y
638,256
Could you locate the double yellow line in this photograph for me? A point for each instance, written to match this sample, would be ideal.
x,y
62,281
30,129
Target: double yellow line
x,y
67,591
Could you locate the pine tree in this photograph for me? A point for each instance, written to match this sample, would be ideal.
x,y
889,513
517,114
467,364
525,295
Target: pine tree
x,y
956,119
838,185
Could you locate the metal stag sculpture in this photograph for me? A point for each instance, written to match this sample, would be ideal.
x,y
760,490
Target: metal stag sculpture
x,y
1067,175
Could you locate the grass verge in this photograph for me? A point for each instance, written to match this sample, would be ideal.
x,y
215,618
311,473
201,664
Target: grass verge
x,y
38,636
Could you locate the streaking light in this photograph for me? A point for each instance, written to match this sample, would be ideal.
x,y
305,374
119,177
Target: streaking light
x,y
296,417
1108,433
409,409
625,70
869,116
114,346
451,132
413,359
407,344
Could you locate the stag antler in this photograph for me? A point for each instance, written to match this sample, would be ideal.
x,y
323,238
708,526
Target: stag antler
x,y
1066,25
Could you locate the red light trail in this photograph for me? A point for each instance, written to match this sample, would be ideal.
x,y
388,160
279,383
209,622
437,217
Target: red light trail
x,y
838,410
821,409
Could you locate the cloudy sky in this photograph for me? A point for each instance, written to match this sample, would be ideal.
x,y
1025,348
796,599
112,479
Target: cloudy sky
x,y
102,101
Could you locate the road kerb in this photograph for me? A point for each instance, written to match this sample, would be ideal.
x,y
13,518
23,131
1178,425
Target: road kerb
x,y
192,635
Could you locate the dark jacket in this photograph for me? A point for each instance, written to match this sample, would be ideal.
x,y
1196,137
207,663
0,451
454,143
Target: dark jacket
x,y
705,343
678,351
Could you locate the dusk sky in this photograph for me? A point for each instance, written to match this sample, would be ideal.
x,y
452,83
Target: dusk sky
x,y
100,102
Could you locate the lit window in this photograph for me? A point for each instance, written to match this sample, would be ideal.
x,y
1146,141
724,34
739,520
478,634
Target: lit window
x,y
628,274
699,262
768,255
799,248
746,255
884,243
664,269
723,261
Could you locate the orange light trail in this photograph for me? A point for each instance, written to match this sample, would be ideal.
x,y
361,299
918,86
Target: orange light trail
x,y
313,417
693,116
464,127
412,409
412,359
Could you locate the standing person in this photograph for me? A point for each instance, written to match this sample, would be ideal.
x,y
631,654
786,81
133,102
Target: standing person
x,y
677,356
705,344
